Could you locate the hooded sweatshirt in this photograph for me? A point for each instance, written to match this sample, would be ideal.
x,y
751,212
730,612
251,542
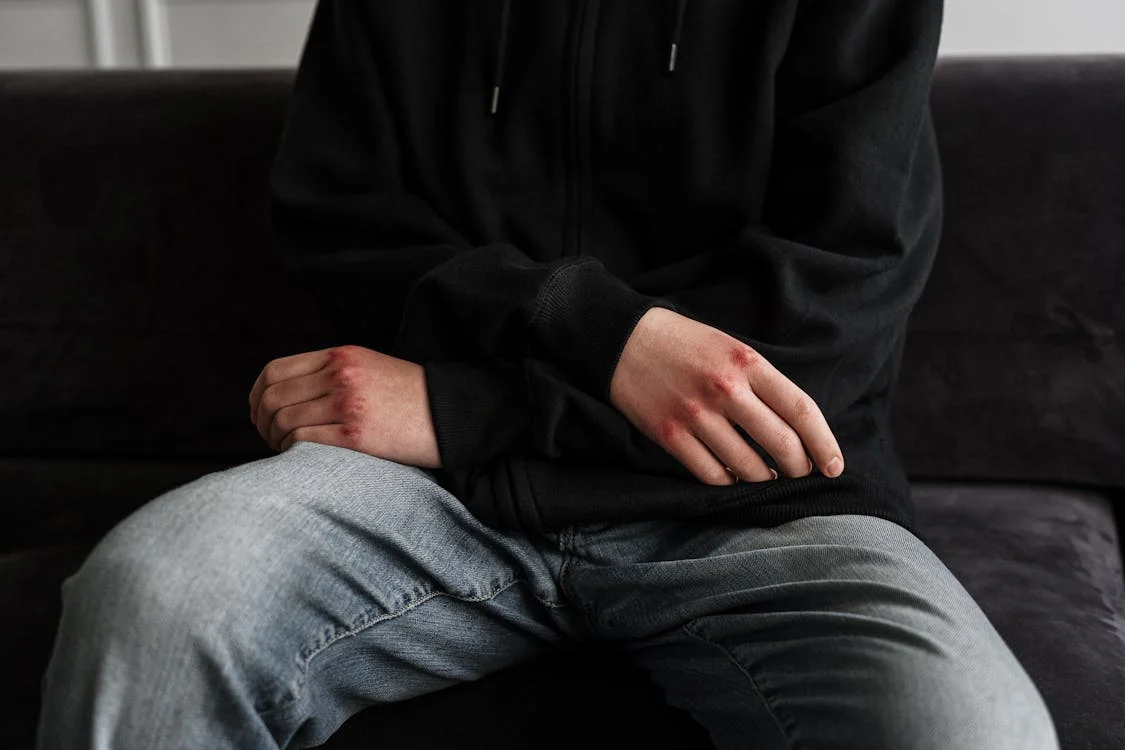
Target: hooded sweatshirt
x,y
499,191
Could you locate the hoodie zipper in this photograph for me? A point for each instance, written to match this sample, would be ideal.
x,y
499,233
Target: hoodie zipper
x,y
577,153
578,166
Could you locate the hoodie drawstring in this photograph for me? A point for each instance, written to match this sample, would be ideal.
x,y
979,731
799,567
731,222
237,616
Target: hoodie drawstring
x,y
502,47
501,50
681,6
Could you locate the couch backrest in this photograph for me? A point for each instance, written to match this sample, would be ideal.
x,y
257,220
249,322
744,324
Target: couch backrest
x,y
139,298
1015,360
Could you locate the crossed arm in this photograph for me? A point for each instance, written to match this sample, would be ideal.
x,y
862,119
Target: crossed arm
x,y
853,198
680,382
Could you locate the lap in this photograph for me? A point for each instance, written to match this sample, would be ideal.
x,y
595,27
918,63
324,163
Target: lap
x,y
317,581
315,509
833,631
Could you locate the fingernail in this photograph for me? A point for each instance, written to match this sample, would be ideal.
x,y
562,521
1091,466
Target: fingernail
x,y
773,473
834,467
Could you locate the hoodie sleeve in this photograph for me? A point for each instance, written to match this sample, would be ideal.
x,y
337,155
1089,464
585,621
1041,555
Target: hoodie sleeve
x,y
390,271
847,239
853,207
845,245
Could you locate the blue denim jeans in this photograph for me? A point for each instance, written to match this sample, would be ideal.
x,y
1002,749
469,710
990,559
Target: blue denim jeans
x,y
262,605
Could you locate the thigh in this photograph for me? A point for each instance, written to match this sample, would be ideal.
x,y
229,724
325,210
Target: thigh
x,y
310,584
827,632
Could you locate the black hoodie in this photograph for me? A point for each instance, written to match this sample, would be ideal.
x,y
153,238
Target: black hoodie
x,y
500,191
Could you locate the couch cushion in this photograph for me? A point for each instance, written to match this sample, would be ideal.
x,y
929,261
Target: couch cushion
x,y
29,599
1045,565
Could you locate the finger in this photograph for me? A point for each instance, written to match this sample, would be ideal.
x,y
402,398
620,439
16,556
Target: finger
x,y
800,412
721,439
771,432
285,420
325,434
694,455
285,393
284,369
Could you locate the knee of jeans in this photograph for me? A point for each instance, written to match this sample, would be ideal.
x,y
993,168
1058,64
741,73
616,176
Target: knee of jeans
x,y
992,704
1010,716
1040,727
167,574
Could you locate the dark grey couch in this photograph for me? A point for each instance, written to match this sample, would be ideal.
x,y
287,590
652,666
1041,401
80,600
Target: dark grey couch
x,y
139,300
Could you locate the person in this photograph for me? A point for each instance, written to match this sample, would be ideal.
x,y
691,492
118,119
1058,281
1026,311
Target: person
x,y
621,291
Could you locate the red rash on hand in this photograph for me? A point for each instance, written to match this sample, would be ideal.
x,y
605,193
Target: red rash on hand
x,y
740,357
722,384
692,411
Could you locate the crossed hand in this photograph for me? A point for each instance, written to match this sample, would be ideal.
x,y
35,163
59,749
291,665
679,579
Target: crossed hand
x,y
682,383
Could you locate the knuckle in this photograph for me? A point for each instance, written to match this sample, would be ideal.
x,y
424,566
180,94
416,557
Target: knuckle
x,y
351,406
786,443
717,475
351,434
346,375
721,383
748,471
342,353
666,431
270,371
804,407
691,409
745,357
271,398
301,433
283,420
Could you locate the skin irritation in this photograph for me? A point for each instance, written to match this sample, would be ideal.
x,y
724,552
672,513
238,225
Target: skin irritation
x,y
741,357
668,429
720,384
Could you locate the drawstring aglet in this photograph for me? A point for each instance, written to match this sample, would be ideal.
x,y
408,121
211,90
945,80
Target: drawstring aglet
x,y
677,30
495,99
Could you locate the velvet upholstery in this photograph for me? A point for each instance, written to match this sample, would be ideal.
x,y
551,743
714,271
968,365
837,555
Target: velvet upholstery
x,y
1014,366
1044,563
139,300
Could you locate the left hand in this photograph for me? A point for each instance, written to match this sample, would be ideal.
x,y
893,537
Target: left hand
x,y
347,396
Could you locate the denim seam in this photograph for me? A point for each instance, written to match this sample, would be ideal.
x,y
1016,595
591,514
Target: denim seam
x,y
770,708
569,560
366,621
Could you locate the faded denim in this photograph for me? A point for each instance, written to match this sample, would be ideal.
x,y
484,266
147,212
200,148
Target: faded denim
x,y
261,606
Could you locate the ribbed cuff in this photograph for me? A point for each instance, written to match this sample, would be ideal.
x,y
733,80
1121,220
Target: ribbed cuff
x,y
478,411
585,317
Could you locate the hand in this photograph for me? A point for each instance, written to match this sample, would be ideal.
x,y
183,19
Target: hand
x,y
683,383
347,396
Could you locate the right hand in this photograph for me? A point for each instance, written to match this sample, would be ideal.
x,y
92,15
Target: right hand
x,y
683,383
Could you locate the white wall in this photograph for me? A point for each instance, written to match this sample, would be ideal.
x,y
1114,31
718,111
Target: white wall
x,y
231,33
152,33
1033,26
